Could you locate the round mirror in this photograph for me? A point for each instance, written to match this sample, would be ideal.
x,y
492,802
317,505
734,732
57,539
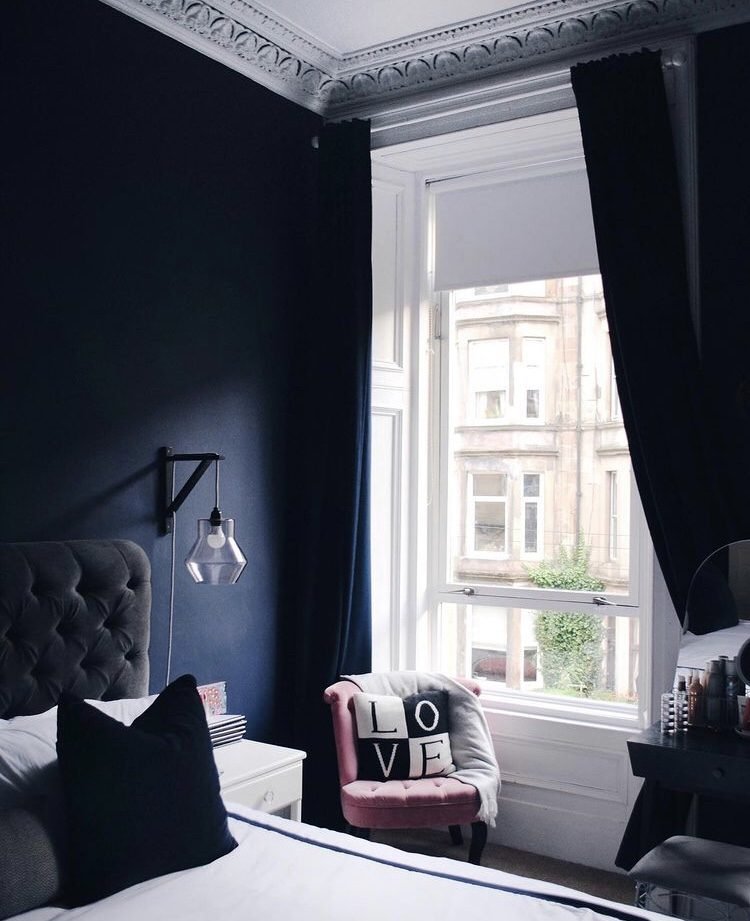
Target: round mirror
x,y
742,661
717,617
719,590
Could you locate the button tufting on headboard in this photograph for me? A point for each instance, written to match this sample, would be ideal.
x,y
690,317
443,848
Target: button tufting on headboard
x,y
61,601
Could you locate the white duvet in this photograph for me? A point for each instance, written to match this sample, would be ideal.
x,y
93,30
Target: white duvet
x,y
288,870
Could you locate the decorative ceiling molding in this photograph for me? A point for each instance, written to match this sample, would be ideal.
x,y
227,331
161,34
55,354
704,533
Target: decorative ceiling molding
x,y
272,53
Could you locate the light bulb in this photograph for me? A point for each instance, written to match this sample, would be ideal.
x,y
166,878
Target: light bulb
x,y
216,537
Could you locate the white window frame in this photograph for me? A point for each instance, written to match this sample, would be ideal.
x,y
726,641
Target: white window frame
x,y
440,589
414,625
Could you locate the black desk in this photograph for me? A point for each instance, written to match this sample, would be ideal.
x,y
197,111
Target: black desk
x,y
713,767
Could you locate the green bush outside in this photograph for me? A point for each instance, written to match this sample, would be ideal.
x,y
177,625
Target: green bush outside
x,y
570,644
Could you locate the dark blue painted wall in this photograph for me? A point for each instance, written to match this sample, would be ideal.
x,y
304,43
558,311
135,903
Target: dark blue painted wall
x,y
150,276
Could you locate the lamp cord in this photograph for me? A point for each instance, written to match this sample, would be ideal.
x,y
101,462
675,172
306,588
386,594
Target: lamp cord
x,y
217,484
171,590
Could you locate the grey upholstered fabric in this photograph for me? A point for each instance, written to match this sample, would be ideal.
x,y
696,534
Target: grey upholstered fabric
x,y
74,616
30,864
700,867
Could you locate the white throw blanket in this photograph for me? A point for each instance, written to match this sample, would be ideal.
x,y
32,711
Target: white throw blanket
x,y
471,743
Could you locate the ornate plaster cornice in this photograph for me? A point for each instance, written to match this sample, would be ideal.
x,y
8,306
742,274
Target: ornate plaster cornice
x,y
268,50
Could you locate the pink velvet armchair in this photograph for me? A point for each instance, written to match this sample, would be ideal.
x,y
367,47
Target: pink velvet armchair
x,y
422,803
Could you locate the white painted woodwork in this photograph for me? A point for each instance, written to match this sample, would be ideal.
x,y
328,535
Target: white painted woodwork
x,y
567,786
262,776
381,61
387,281
386,483
395,305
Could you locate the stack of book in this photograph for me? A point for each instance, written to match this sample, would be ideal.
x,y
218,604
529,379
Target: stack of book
x,y
226,727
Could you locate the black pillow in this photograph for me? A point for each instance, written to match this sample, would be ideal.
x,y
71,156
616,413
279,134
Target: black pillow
x,y
141,800
402,738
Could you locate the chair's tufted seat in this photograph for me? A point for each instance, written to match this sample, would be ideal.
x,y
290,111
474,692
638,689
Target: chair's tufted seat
x,y
409,803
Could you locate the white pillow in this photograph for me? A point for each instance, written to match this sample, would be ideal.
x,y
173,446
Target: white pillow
x,y
28,748
124,710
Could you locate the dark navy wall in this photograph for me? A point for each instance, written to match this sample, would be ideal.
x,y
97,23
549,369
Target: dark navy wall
x,y
150,277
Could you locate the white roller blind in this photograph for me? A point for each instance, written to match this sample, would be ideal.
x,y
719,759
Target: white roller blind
x,y
491,232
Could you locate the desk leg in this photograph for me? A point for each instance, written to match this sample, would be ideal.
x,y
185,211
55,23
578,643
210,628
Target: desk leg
x,y
295,810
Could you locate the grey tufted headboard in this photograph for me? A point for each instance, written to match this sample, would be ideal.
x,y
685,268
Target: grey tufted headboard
x,y
74,616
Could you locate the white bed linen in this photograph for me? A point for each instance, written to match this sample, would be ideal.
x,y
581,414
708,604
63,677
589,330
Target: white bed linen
x,y
281,871
28,748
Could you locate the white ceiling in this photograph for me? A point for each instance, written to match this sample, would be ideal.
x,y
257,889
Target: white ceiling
x,y
357,58
345,27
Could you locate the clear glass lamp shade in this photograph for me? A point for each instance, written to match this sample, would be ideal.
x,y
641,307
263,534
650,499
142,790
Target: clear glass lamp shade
x,y
215,558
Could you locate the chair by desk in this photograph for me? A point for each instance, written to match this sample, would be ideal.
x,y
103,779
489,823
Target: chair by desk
x,y
683,873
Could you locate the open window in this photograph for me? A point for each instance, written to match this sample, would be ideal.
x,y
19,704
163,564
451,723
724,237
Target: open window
x,y
536,580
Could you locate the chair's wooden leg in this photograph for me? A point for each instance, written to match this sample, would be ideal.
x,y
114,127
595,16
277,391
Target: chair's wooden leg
x,y
456,834
478,841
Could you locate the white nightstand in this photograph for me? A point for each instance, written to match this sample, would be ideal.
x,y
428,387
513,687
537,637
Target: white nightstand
x,y
266,777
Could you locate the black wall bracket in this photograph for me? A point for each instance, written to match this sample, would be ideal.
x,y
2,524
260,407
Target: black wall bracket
x,y
169,503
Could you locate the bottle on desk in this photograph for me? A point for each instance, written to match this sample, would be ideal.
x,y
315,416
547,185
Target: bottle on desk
x,y
696,703
714,690
667,719
681,714
731,691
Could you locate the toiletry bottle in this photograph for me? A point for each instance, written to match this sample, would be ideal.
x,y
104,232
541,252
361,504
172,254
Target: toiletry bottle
x,y
681,705
696,707
667,721
715,694
731,686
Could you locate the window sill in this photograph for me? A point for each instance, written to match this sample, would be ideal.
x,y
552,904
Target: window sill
x,y
571,711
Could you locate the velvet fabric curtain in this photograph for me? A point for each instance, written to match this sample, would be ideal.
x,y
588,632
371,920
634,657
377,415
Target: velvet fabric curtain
x,y
675,449
677,457
327,625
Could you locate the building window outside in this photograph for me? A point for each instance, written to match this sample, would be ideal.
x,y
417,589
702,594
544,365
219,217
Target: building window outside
x,y
486,514
533,371
613,522
615,412
490,290
532,524
488,379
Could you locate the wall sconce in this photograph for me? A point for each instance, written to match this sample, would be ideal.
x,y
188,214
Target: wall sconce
x,y
215,558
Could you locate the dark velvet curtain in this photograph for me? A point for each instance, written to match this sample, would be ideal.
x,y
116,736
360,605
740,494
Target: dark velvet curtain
x,y
326,630
676,452
677,461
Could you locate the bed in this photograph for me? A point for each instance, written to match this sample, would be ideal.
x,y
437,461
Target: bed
x,y
74,624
